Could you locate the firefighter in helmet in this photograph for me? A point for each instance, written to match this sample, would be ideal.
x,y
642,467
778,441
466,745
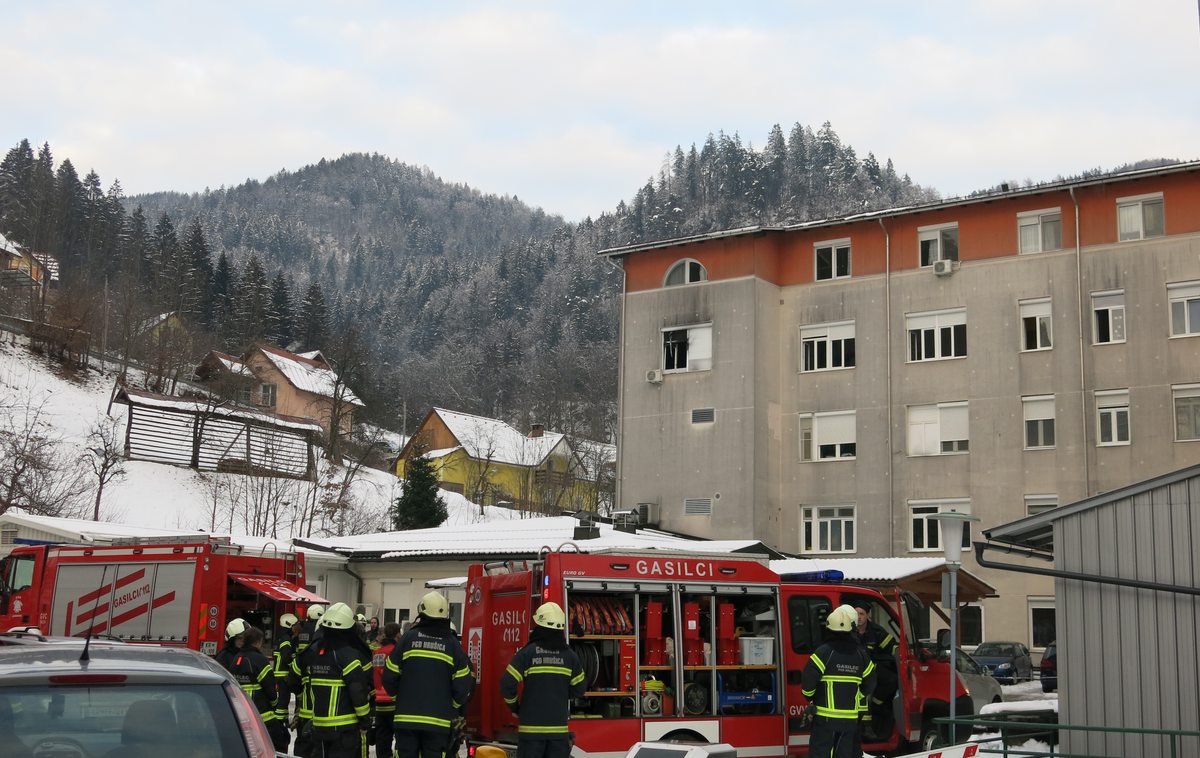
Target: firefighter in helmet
x,y
882,647
551,675
306,632
429,676
285,650
838,679
233,643
256,676
337,666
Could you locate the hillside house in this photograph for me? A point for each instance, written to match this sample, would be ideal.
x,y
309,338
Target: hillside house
x,y
492,463
291,384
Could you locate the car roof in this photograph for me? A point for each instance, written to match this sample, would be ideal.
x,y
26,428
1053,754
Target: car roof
x,y
148,664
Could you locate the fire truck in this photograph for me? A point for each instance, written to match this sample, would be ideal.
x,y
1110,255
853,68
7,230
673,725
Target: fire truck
x,y
689,647
167,591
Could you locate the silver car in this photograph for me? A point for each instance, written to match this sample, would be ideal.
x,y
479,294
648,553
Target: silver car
x,y
982,686
123,701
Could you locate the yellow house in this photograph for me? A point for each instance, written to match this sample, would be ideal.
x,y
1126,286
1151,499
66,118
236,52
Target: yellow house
x,y
491,463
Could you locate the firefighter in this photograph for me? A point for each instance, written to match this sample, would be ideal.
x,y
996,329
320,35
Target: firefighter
x,y
254,672
838,679
430,678
337,670
308,628
385,706
882,647
552,677
233,643
285,649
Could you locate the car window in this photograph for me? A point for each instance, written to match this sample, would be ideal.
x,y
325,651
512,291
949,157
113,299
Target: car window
x,y
122,721
806,616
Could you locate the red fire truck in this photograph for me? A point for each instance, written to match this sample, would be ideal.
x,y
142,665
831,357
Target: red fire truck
x,y
168,591
686,646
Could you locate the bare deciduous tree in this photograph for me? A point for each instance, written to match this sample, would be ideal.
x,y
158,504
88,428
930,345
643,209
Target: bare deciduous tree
x,y
105,456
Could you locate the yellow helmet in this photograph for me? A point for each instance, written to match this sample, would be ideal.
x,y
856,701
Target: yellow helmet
x,y
339,616
288,620
842,619
551,616
315,611
434,606
235,628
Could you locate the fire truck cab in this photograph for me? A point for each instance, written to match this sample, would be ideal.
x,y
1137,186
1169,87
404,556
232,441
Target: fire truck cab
x,y
168,591
685,646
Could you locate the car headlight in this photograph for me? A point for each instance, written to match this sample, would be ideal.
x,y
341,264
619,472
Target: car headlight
x,y
1004,667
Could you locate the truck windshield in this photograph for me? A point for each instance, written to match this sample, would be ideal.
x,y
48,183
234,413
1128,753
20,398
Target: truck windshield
x,y
133,720
20,573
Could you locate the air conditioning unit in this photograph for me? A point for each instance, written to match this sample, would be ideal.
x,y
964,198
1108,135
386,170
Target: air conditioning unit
x,y
654,376
649,513
943,268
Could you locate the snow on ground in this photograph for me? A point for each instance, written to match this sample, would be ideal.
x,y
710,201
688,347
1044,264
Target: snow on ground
x,y
1028,691
173,497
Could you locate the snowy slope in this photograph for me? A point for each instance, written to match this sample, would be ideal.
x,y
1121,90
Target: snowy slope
x,y
169,497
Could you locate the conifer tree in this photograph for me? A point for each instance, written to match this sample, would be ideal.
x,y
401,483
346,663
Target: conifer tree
x,y
223,319
253,302
419,506
198,273
314,319
280,319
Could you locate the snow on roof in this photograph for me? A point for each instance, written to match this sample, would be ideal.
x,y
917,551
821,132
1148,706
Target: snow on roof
x,y
8,246
592,456
192,405
90,531
516,537
308,374
861,569
494,440
49,263
449,583
441,453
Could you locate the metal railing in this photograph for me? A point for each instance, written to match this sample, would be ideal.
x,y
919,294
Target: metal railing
x,y
1023,731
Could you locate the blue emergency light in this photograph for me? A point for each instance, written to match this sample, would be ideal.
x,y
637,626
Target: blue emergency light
x,y
814,576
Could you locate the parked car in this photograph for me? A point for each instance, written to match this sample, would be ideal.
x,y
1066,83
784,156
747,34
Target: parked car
x,y
1049,668
982,686
1009,662
126,701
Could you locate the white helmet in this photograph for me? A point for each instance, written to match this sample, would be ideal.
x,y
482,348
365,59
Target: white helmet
x,y
315,611
288,620
434,606
339,616
842,619
551,616
236,628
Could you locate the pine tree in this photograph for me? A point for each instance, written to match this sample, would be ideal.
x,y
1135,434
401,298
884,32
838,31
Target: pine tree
x,y
419,506
280,319
253,302
314,319
137,245
167,272
222,318
199,273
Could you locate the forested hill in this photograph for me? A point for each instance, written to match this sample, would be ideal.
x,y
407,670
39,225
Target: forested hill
x,y
466,300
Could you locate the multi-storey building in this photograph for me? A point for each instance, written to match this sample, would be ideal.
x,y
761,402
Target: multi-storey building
x,y
827,387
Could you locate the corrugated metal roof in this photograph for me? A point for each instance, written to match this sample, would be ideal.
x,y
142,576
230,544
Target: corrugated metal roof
x,y
308,374
861,569
494,440
191,405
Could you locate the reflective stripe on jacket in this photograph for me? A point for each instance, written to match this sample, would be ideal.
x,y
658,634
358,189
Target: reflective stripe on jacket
x,y
838,678
337,682
256,675
429,676
549,680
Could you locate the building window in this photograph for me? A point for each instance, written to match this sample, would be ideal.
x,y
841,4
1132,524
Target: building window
x,y
832,259
1187,412
697,506
926,533
686,271
687,349
1112,409
1185,308
971,619
937,335
938,243
1109,320
264,395
826,347
1035,324
1035,504
1040,231
828,529
1039,422
938,429
828,436
1140,217
1043,628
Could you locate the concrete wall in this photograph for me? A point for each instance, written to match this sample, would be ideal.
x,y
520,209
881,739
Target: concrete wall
x,y
750,455
404,583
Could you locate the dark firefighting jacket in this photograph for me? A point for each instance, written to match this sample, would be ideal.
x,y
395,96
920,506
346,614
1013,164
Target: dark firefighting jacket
x,y
256,676
880,645
384,703
429,676
308,632
285,650
551,675
336,679
838,678
228,654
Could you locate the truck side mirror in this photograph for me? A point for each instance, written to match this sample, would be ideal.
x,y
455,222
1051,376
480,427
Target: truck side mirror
x,y
943,639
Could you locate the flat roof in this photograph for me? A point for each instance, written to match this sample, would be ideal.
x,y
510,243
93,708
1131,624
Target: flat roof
x,y
984,197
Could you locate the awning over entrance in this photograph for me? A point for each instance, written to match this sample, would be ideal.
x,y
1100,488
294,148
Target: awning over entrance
x,y
278,589
920,576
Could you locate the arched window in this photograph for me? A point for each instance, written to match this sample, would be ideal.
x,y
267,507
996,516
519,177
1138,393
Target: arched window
x,y
686,271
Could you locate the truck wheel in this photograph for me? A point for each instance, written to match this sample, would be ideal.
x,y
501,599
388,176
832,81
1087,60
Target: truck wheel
x,y
683,735
930,739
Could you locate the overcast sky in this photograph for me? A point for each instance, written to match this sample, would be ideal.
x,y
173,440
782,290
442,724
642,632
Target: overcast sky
x,y
572,106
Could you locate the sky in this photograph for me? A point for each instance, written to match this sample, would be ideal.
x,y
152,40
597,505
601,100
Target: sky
x,y
572,106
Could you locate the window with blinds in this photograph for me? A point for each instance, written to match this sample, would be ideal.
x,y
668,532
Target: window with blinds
x,y
1112,417
687,349
1185,308
937,335
1140,217
1187,412
1039,422
938,429
1108,317
828,436
826,347
1035,324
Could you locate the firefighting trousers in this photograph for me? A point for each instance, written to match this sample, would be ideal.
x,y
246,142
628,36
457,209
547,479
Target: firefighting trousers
x,y
832,738
535,748
304,744
418,743
281,738
383,734
350,743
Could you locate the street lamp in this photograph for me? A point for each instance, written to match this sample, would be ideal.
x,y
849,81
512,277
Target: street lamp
x,y
952,532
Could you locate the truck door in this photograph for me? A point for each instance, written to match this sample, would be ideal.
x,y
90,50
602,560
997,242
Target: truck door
x,y
19,573
497,620
806,613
